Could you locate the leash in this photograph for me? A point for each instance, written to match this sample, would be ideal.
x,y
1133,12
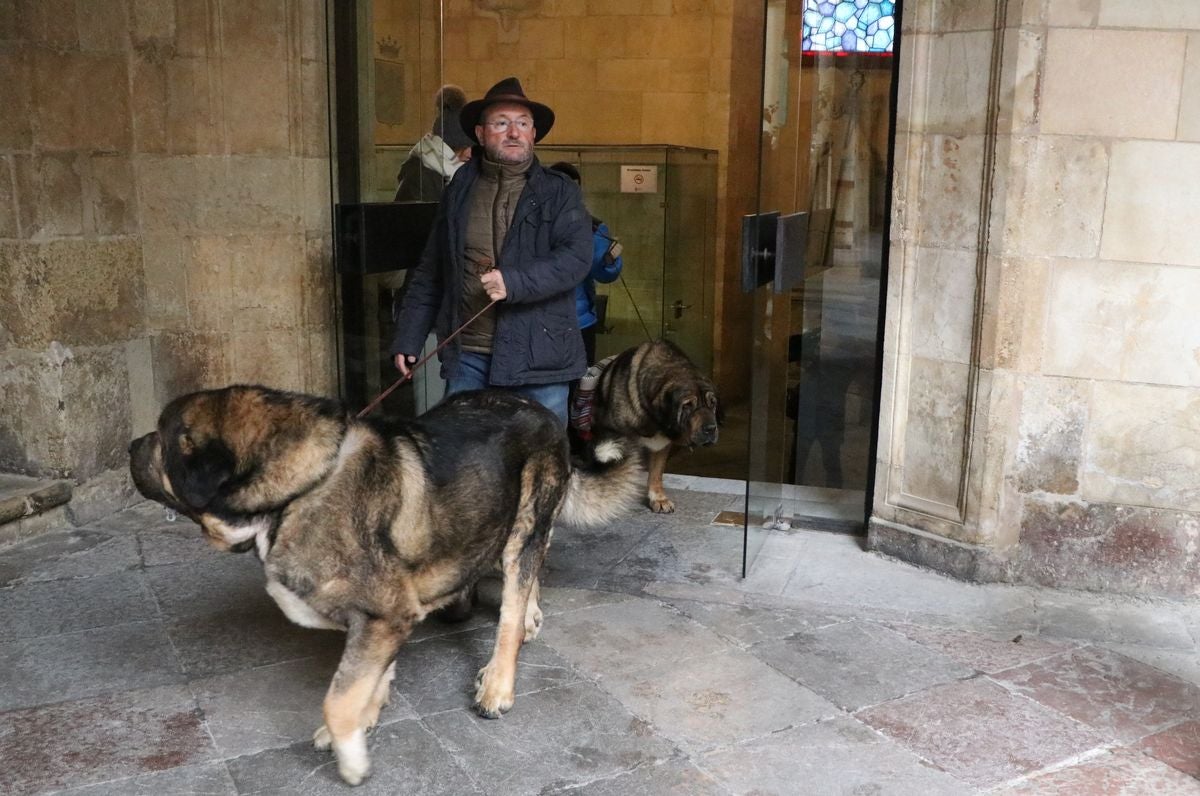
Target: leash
x,y
633,303
367,409
628,292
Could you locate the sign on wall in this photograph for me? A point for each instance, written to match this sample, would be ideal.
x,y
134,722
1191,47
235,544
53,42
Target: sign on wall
x,y
639,179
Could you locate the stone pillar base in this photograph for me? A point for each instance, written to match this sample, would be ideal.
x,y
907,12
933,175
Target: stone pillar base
x,y
968,562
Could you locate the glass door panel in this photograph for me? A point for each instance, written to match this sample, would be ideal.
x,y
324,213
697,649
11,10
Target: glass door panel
x,y
824,155
389,68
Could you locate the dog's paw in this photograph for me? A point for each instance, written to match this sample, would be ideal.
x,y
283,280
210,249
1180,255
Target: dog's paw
x,y
661,504
322,740
533,623
492,699
353,762
353,773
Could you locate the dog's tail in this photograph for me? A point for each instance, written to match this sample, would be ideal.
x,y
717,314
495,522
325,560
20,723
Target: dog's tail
x,y
608,484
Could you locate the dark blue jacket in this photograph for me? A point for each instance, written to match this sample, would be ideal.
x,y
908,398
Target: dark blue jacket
x,y
547,252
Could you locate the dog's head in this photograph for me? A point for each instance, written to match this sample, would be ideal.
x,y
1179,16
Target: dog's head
x,y
681,400
235,453
692,412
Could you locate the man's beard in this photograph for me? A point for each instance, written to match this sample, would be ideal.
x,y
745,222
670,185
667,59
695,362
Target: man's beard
x,y
503,154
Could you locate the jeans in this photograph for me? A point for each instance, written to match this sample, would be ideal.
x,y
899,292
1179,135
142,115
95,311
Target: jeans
x,y
472,374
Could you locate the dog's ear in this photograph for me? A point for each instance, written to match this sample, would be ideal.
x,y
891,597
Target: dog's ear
x,y
710,398
685,403
202,473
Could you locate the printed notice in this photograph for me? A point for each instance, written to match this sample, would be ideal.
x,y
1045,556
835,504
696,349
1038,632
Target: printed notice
x,y
639,179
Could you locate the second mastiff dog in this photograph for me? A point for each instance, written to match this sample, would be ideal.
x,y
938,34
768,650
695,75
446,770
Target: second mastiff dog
x,y
654,395
367,526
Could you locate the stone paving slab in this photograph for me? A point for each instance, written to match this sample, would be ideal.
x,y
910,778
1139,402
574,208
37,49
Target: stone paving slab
x,y
208,779
747,625
405,758
175,544
839,755
614,640
984,652
58,555
1178,747
841,663
570,734
1119,773
211,587
1090,617
145,517
704,555
836,571
1184,664
439,673
1121,698
670,778
274,706
701,703
220,618
979,732
46,609
580,558
86,663
100,739
245,638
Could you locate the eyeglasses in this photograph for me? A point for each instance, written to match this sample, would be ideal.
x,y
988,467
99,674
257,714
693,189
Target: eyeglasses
x,y
523,124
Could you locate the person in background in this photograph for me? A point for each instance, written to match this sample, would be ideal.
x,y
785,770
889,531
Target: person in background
x,y
510,242
438,155
606,267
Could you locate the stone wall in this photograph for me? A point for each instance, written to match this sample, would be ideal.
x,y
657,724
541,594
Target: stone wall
x,y
1041,403
164,216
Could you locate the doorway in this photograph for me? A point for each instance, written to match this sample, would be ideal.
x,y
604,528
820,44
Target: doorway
x,y
768,122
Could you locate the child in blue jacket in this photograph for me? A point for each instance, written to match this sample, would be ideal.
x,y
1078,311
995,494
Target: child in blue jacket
x,y
606,267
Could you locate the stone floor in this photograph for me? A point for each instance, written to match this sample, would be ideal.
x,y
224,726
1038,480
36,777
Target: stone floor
x,y
133,660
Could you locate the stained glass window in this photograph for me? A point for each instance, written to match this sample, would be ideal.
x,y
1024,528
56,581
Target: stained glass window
x,y
849,26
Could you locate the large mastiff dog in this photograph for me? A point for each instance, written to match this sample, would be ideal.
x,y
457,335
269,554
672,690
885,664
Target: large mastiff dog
x,y
654,394
368,526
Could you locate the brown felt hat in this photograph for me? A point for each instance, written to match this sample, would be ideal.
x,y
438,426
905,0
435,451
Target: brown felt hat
x,y
507,90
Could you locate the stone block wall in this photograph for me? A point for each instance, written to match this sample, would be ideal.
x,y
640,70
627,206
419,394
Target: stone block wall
x,y
1041,408
164,216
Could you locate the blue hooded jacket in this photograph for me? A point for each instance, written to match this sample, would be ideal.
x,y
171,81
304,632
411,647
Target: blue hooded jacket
x,y
604,270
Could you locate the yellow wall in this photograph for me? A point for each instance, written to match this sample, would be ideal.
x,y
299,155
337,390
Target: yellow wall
x,y
642,72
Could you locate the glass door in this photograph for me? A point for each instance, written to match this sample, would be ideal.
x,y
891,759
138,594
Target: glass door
x,y
818,242
389,67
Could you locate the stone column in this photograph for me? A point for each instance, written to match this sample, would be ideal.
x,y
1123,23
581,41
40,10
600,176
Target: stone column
x,y
1038,419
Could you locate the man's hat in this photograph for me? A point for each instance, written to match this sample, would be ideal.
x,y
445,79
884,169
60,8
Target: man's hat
x,y
507,90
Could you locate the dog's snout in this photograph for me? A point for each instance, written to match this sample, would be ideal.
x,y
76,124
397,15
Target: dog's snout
x,y
709,433
137,444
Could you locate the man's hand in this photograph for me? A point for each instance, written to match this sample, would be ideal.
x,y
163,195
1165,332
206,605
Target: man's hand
x,y
402,363
493,285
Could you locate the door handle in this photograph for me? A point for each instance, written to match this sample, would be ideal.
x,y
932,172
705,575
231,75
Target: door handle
x,y
679,307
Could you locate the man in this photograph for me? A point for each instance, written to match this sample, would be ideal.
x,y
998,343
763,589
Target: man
x,y
511,231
